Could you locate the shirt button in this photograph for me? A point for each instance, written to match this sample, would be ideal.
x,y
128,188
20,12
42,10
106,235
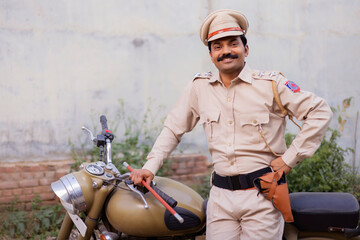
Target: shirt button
x,y
255,122
208,120
232,163
230,122
229,99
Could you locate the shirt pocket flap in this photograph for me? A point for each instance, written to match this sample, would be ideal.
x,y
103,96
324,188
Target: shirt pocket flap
x,y
211,116
254,119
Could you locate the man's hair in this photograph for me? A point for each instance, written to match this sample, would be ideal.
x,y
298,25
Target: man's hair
x,y
242,37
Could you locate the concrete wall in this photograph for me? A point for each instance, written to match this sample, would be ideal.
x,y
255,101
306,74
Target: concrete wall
x,y
63,63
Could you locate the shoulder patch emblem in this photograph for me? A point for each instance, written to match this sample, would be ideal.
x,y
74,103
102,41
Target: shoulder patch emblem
x,y
292,86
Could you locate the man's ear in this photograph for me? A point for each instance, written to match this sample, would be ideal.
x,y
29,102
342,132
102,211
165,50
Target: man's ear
x,y
246,50
211,57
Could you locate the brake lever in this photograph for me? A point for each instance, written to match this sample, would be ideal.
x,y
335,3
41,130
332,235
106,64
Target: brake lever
x,y
93,139
132,188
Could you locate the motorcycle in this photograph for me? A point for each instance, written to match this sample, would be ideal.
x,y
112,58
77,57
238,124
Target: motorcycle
x,y
99,198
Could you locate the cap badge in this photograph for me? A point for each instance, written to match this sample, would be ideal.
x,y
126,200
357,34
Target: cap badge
x,y
292,86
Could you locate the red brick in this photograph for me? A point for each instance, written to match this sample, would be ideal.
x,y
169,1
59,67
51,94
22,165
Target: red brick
x,y
5,200
182,165
183,178
5,176
49,174
26,175
60,173
51,167
174,166
31,168
175,177
7,169
26,198
17,192
8,185
190,164
42,189
28,206
200,163
38,175
182,171
43,168
27,191
47,196
7,193
50,202
200,169
15,176
45,182
29,183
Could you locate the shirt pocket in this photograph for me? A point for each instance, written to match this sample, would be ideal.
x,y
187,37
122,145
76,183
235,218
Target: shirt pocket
x,y
210,122
250,124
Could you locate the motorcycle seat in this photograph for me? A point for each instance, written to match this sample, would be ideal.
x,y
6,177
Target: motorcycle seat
x,y
317,211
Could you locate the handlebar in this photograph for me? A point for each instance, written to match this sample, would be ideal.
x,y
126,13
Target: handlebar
x,y
103,139
169,200
103,122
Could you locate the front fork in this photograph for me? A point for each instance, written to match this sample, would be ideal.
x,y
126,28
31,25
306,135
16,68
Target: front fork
x,y
66,228
91,218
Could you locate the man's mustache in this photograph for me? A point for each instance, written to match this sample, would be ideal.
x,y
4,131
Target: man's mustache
x,y
229,55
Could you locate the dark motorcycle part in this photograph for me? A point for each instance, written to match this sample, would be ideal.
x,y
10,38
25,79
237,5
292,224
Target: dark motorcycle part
x,y
103,122
100,140
169,200
317,211
190,219
349,233
106,133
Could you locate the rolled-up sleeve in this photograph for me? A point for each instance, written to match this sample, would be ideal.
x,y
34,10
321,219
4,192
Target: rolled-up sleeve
x,y
315,114
181,119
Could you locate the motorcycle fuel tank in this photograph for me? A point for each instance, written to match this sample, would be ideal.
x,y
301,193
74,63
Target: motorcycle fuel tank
x,y
126,213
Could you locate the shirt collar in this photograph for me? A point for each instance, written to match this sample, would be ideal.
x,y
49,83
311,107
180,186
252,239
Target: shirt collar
x,y
245,75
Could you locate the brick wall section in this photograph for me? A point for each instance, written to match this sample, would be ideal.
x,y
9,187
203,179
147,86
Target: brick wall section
x,y
25,180
189,169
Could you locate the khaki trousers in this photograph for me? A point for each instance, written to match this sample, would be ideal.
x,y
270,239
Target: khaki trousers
x,y
242,214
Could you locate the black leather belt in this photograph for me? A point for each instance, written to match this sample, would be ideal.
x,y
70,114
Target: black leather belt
x,y
237,182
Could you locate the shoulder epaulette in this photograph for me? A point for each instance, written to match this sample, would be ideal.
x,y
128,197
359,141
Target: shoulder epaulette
x,y
266,75
206,75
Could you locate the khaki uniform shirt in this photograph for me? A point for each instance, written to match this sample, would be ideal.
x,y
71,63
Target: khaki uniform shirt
x,y
232,116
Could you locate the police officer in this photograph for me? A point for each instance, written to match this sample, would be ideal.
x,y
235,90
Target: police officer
x,y
245,130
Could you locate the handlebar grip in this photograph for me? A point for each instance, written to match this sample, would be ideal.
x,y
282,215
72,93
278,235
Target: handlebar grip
x,y
169,200
103,122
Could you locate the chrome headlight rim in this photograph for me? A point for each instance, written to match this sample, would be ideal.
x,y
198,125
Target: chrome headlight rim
x,y
70,194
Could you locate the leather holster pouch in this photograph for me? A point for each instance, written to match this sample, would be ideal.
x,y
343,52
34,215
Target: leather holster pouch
x,y
273,187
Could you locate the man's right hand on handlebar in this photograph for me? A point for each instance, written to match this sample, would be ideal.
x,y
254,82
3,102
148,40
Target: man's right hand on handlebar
x,y
138,175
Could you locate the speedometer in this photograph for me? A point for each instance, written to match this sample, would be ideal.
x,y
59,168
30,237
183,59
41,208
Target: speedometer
x,y
95,169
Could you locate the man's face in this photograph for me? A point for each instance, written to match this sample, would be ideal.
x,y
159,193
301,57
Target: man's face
x,y
228,54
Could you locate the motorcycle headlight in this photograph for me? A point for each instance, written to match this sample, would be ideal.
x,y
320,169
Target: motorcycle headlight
x,y
69,192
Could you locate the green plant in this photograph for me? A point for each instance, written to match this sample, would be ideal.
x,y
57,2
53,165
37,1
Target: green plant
x,y
38,223
325,171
